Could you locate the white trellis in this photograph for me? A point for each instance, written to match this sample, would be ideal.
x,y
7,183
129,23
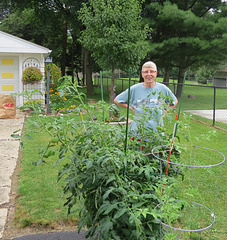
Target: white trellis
x,y
33,62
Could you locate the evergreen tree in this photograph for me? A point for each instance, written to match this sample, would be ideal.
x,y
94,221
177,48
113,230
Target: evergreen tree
x,y
186,34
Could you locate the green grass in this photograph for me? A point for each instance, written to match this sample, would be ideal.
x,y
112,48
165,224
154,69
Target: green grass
x,y
40,201
218,125
207,179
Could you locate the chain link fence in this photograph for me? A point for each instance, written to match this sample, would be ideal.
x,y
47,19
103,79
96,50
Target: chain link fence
x,y
203,101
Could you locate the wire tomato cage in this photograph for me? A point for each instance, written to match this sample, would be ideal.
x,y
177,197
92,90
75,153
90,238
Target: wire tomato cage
x,y
201,178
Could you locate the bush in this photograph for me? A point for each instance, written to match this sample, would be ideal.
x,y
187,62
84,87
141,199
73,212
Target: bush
x,y
33,105
55,75
203,74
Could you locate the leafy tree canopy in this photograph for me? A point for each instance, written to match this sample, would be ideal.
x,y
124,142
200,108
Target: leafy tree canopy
x,y
113,33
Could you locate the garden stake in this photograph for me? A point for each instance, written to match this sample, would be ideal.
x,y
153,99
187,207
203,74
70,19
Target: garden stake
x,y
126,133
102,92
175,125
81,115
126,130
101,85
171,145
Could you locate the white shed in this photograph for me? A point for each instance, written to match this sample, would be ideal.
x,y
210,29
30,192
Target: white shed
x,y
220,78
16,55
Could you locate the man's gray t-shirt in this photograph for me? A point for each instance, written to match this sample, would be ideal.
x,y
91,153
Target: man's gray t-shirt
x,y
151,100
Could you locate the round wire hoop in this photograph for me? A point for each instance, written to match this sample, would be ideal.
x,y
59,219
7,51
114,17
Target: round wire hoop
x,y
158,151
186,165
189,230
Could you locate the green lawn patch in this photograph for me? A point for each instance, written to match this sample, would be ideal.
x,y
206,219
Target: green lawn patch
x,y
40,199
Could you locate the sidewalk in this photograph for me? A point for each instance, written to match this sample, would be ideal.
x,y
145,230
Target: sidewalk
x,y
54,236
9,148
220,114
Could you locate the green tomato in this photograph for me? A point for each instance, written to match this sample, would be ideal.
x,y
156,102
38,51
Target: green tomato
x,y
54,140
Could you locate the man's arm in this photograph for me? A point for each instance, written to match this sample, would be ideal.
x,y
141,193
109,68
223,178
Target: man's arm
x,y
124,105
173,106
170,106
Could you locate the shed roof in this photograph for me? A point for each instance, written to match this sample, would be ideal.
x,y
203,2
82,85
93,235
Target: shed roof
x,y
221,74
12,44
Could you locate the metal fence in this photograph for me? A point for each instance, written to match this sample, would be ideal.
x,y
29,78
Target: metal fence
x,y
205,100
199,99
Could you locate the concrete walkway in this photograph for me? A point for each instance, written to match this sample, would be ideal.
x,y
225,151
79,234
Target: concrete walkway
x,y
54,236
220,114
9,148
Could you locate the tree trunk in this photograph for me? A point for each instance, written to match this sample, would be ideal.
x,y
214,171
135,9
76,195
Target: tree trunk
x,y
78,79
166,76
64,46
88,73
141,78
84,66
112,94
72,56
180,81
72,70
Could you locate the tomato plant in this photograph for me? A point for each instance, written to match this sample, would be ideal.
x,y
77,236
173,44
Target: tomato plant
x,y
117,189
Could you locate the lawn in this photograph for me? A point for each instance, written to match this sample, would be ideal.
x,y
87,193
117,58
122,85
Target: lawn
x,y
40,200
205,180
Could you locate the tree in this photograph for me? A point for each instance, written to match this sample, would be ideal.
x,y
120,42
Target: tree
x,y
26,24
185,34
113,34
203,74
53,24
4,10
50,24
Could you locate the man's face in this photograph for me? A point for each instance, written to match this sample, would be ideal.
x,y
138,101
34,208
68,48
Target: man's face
x,y
149,74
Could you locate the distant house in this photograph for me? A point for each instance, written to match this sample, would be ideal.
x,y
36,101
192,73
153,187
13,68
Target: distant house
x,y
16,55
220,78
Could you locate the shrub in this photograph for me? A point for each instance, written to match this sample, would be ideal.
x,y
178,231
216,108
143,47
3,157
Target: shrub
x,y
55,75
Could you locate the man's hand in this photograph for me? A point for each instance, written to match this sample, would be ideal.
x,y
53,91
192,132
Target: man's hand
x,y
124,105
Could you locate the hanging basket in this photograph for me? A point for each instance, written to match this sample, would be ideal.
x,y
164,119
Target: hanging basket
x,y
32,75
